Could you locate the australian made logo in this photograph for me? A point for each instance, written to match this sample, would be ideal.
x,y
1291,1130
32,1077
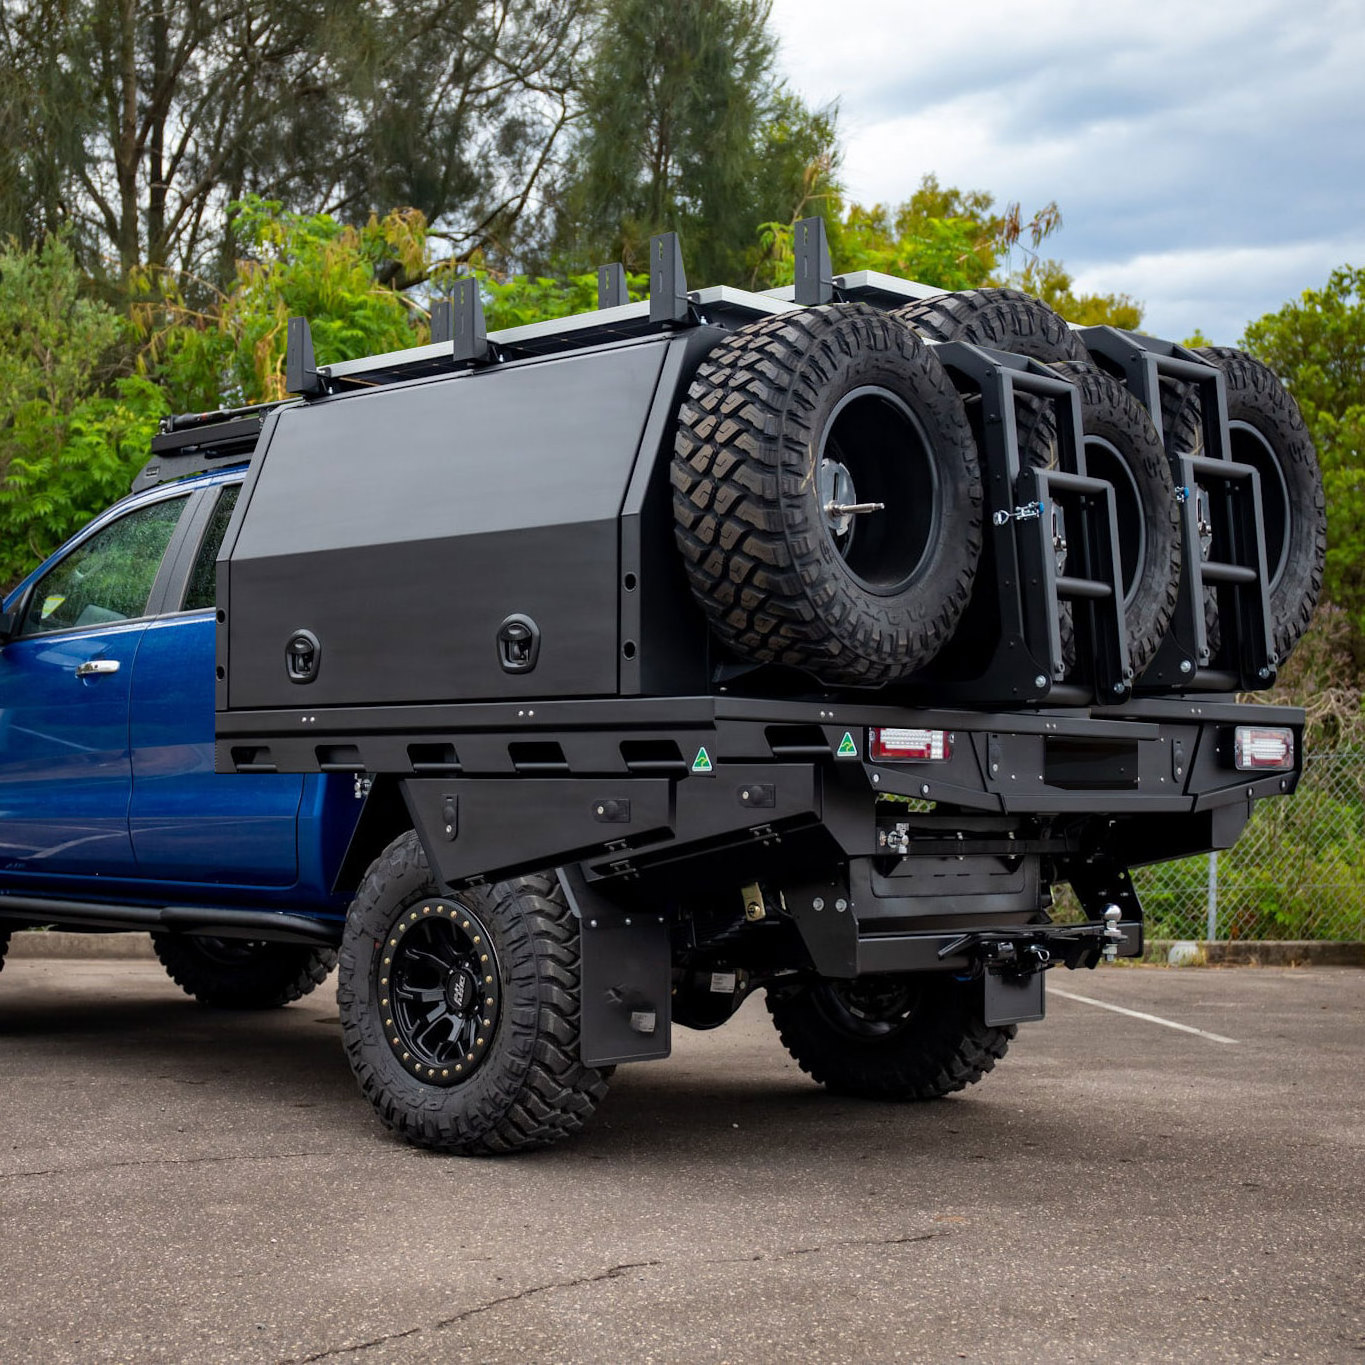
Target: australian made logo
x,y
847,748
702,763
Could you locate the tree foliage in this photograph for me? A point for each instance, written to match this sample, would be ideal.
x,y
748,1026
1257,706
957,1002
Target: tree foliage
x,y
74,423
136,122
230,350
686,127
1316,344
953,239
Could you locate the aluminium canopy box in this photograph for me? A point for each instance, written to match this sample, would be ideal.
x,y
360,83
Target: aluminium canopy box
x,y
500,532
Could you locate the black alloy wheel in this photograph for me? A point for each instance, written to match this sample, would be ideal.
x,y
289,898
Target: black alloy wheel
x,y
438,981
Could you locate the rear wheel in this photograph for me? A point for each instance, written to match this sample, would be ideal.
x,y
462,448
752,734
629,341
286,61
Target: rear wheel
x,y
460,1012
913,1037
242,974
827,497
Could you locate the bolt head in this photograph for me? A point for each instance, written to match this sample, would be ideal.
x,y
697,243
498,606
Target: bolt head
x,y
841,905
1186,666
1040,681
818,903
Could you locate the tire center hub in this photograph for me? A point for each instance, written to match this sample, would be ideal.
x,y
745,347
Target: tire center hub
x,y
461,993
437,985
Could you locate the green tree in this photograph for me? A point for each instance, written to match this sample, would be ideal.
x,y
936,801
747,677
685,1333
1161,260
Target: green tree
x,y
1049,281
74,423
306,265
1316,344
953,239
687,127
137,122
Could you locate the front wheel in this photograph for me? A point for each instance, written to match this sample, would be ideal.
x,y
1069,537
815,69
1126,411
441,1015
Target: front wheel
x,y
902,1037
242,974
460,1012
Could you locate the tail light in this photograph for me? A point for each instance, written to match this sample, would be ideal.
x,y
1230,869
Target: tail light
x,y
1257,747
909,746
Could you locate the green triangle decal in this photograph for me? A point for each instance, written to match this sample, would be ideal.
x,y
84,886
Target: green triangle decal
x,y
702,762
847,748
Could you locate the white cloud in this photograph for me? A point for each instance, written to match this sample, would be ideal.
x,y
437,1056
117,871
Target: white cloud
x,y
1172,134
1218,289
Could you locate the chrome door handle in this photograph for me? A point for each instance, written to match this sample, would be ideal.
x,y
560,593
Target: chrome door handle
x,y
92,666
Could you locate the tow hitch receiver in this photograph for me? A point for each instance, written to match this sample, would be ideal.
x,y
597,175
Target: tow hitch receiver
x,y
1012,963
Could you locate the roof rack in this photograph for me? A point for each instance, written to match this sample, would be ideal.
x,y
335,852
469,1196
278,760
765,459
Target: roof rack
x,y
462,342
195,442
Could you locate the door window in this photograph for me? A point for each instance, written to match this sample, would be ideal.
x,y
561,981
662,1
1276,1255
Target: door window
x,y
203,581
108,577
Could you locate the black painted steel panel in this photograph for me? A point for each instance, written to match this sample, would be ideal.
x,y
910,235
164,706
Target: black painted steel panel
x,y
401,527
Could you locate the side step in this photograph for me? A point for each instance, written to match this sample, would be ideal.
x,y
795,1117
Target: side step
x,y
218,922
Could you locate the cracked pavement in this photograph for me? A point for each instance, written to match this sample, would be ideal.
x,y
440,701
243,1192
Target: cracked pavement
x,y
182,1184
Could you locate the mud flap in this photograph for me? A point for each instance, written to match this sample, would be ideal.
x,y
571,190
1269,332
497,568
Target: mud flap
x,y
1013,998
626,984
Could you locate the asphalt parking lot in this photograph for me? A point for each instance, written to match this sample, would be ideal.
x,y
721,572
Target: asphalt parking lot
x,y
177,1184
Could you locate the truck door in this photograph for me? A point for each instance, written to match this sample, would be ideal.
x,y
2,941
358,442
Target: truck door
x,y
65,677
188,823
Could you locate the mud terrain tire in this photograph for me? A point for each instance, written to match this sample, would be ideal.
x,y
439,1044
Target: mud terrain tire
x,y
790,418
889,1037
1003,319
508,1076
242,974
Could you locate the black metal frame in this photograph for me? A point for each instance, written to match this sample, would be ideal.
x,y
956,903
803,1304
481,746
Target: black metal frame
x,y
1027,664
1235,568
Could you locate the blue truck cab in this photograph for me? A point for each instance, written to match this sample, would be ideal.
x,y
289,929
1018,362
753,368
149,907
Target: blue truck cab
x,y
111,814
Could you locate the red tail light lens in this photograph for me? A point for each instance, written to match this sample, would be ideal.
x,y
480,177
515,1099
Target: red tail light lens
x,y
1256,748
910,746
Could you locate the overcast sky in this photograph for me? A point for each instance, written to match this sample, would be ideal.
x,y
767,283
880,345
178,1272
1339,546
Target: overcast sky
x,y
1208,156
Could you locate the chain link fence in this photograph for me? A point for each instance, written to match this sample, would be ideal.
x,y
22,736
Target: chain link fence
x,y
1298,871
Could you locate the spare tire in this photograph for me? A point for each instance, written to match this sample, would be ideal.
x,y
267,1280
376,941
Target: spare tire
x,y
1005,319
1266,431
1122,447
791,419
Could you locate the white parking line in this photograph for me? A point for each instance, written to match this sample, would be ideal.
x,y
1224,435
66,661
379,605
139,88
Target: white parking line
x,y
1138,1014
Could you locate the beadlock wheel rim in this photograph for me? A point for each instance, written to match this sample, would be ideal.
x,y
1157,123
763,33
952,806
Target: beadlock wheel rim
x,y
439,992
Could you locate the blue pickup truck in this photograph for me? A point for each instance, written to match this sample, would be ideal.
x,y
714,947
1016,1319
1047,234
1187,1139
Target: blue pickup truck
x,y
111,815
